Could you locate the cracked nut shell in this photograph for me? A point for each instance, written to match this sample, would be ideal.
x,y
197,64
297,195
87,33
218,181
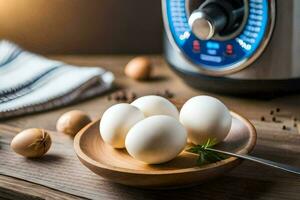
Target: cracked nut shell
x,y
139,68
31,143
71,122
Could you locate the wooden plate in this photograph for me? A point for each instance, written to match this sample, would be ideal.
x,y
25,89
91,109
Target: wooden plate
x,y
117,166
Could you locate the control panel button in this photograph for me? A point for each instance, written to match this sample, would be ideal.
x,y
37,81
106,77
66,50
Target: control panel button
x,y
196,46
229,49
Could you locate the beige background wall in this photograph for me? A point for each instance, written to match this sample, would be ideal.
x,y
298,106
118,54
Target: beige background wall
x,y
83,26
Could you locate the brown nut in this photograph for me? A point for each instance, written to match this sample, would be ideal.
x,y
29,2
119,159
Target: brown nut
x,y
31,143
71,122
139,68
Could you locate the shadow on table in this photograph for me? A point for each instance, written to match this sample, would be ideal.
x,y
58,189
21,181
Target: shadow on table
x,y
48,158
223,188
158,78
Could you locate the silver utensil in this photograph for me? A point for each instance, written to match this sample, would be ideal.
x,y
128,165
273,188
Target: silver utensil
x,y
262,161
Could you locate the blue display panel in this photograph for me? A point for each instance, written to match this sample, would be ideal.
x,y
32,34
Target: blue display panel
x,y
218,55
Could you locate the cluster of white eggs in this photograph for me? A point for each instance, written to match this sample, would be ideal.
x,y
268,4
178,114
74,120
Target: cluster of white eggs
x,y
153,131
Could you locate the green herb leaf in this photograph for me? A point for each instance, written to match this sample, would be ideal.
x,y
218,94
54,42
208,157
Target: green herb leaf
x,y
206,156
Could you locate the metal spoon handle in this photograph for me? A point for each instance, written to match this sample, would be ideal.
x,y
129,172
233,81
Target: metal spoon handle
x,y
262,161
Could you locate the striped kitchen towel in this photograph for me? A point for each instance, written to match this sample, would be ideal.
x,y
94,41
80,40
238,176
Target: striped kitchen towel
x,y
32,83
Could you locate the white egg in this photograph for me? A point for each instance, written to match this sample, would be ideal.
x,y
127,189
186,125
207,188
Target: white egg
x,y
205,118
156,139
117,121
156,105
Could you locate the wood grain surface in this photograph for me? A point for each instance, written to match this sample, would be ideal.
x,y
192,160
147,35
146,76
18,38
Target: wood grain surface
x,y
60,175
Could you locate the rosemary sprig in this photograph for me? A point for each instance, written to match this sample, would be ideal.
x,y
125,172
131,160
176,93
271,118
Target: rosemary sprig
x,y
206,156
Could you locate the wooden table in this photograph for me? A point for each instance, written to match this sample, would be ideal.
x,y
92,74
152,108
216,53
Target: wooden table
x,y
60,175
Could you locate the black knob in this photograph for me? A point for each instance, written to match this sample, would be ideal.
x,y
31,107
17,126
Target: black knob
x,y
213,17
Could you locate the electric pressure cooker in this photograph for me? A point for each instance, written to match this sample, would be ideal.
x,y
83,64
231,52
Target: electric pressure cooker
x,y
234,46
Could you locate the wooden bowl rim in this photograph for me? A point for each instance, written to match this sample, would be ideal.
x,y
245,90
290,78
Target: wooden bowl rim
x,y
248,148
